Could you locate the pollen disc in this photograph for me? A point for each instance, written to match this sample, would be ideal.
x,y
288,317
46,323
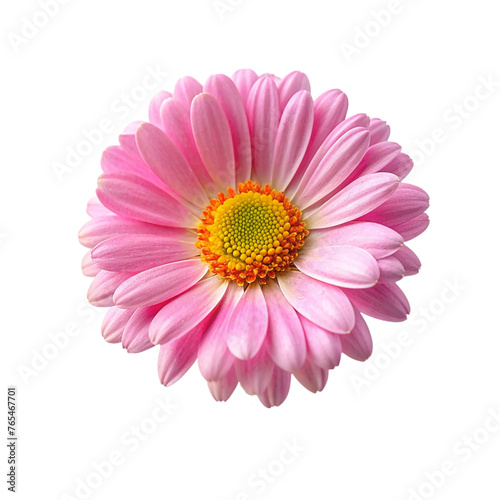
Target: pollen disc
x,y
251,234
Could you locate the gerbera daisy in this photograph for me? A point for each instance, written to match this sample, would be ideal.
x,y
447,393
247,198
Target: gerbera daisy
x,y
250,227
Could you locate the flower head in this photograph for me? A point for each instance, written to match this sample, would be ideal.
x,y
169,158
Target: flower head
x,y
249,226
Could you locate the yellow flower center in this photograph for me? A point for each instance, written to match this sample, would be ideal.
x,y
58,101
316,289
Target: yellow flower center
x,y
250,235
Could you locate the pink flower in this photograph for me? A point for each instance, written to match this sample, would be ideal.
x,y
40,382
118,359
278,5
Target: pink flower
x,y
249,226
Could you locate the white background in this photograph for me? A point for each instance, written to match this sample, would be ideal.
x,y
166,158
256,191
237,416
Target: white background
x,y
378,428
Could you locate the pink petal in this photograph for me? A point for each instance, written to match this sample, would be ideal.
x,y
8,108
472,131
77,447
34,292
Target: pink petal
x,y
159,283
244,80
376,239
177,125
292,83
276,79
263,119
255,374
186,89
129,146
114,323
247,327
384,301
412,228
405,204
358,344
222,388
324,348
133,197
165,159
313,158
116,160
225,91
409,260
213,139
287,345
214,358
89,268
154,107
102,228
311,376
378,157
136,253
294,132
277,390
340,160
379,131
136,334
360,197
96,209
323,304
391,269
355,121
178,356
401,166
133,126
187,310
103,287
341,265
330,109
